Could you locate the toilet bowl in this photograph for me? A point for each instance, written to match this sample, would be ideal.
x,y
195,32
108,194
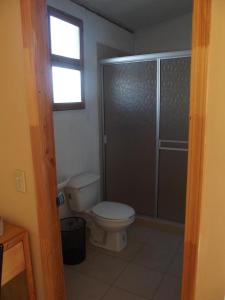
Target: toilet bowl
x,y
107,221
113,218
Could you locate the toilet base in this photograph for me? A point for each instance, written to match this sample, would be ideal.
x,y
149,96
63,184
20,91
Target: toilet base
x,y
110,240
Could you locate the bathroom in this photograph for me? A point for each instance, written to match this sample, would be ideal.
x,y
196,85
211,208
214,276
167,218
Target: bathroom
x,y
154,240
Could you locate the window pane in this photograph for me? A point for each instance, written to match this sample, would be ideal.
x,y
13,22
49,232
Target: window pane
x,y
66,85
65,38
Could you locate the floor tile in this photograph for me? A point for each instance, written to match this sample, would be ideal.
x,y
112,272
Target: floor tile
x,y
153,236
139,280
149,268
81,287
90,249
140,233
170,289
155,257
116,293
102,267
176,267
127,254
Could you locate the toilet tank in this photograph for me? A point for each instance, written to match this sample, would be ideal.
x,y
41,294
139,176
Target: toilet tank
x,y
82,192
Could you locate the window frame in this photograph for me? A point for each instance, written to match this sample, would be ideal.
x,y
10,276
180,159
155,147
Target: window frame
x,y
66,62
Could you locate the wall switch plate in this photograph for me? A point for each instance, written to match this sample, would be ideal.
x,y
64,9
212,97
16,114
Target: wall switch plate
x,y
20,181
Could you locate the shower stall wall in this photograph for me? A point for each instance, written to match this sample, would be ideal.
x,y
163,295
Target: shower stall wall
x,y
145,104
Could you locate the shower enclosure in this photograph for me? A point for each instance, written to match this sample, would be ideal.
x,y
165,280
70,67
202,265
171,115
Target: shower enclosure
x,y
145,105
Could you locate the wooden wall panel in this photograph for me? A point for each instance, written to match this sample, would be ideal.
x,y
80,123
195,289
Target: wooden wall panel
x,y
201,39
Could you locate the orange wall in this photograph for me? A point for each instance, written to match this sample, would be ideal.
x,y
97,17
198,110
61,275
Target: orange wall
x,y
211,266
15,149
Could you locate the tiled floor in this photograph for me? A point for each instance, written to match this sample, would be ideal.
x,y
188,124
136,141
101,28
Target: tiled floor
x,y
148,269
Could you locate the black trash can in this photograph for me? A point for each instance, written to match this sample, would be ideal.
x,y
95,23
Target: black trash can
x,y
73,240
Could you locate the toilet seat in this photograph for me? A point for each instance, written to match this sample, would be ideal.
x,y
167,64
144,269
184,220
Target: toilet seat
x,y
113,211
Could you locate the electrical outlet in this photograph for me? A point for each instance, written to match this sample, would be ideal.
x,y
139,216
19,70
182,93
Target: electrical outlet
x,y
20,181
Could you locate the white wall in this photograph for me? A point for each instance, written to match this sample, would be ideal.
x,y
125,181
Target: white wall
x,y
171,35
77,132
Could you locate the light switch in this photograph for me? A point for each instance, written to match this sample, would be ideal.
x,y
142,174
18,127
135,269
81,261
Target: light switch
x,y
20,181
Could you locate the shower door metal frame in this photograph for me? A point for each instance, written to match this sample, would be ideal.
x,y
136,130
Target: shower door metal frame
x,y
158,57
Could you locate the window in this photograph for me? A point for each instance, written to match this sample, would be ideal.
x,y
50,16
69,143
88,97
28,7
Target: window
x,y
66,46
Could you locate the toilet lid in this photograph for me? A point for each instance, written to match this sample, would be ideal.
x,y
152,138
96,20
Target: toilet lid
x,y
113,210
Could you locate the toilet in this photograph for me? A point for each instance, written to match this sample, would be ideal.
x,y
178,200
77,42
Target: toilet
x,y
107,221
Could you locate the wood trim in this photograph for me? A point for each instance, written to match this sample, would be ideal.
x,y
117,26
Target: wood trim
x,y
200,44
39,95
28,266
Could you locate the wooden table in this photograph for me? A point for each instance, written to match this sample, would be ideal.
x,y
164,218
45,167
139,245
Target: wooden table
x,y
16,256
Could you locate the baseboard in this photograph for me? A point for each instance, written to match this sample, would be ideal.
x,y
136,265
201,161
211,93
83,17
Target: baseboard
x,y
162,225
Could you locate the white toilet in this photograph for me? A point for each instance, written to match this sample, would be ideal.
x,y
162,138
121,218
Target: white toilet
x,y
107,221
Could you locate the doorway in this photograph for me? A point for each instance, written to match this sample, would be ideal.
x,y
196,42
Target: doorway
x,y
196,142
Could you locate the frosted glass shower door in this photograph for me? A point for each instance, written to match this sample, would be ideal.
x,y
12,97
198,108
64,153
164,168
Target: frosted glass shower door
x,y
173,138
130,91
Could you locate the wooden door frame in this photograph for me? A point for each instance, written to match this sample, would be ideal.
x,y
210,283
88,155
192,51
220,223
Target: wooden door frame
x,y
39,94
197,119
36,53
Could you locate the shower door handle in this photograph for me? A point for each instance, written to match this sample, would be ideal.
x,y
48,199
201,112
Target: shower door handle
x,y
173,145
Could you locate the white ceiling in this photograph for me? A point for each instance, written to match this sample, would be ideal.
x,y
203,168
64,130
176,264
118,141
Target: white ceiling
x,y
136,14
